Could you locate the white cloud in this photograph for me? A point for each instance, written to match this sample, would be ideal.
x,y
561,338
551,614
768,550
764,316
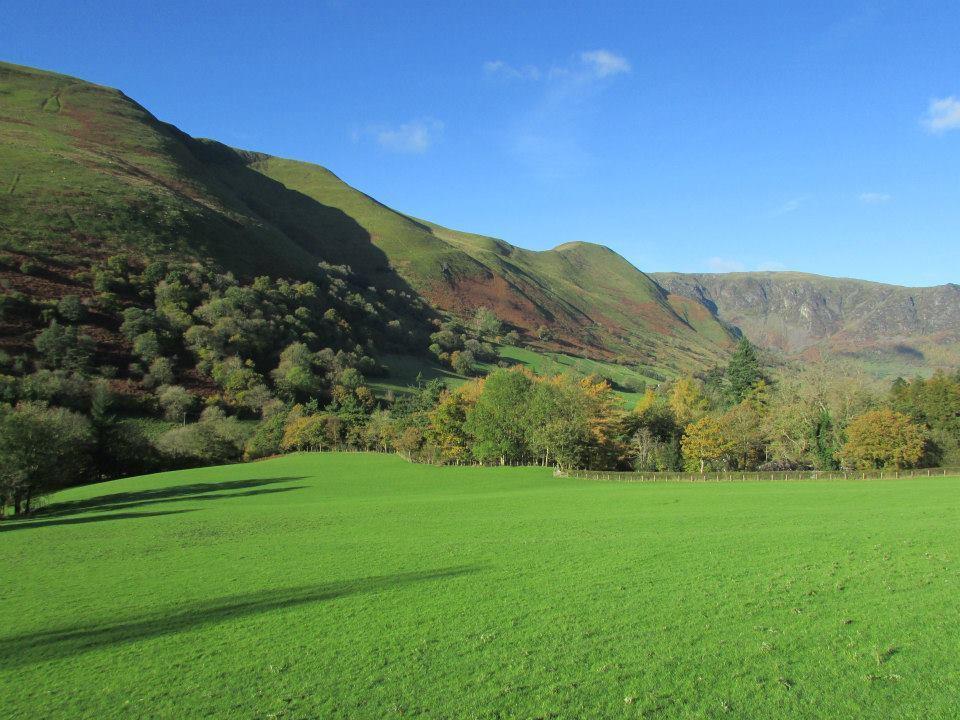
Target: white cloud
x,y
499,67
771,266
554,126
604,63
587,65
943,114
414,137
791,205
875,198
725,265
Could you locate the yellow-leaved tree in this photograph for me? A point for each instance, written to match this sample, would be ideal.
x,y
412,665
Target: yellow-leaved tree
x,y
705,442
882,439
687,400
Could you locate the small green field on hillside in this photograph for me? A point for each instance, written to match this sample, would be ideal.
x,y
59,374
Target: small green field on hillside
x,y
360,586
403,371
625,380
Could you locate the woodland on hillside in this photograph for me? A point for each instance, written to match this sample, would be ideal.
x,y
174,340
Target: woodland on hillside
x,y
241,371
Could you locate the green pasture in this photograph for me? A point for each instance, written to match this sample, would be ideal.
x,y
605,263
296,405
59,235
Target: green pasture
x,y
361,586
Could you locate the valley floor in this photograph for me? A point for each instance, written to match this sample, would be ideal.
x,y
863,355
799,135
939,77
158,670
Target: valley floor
x,y
360,586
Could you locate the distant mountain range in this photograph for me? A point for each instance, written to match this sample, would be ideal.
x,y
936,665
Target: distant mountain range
x,y
892,329
86,172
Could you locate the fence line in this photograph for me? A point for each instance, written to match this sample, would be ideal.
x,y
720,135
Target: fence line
x,y
793,475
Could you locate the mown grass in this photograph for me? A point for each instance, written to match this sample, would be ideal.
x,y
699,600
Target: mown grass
x,y
360,586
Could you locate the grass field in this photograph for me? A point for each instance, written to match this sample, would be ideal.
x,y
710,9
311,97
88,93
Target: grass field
x,y
404,369
359,586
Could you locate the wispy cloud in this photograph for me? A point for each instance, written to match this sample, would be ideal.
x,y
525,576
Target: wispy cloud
x,y
771,266
875,198
604,63
943,114
413,138
790,206
550,134
504,69
584,67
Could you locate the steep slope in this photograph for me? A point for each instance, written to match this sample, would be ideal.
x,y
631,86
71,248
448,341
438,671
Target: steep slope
x,y
593,300
86,172
890,327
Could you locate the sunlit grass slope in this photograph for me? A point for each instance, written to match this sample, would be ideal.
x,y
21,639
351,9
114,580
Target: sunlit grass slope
x,y
359,586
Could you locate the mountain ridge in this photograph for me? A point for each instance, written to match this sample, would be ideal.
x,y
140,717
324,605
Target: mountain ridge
x,y
87,171
805,314
96,173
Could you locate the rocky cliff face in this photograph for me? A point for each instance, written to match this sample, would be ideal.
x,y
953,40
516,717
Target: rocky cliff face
x,y
796,313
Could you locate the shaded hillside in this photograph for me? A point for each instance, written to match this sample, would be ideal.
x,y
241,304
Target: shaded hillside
x,y
891,327
86,172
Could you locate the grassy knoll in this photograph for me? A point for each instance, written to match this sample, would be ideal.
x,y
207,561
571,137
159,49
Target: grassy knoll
x,y
358,586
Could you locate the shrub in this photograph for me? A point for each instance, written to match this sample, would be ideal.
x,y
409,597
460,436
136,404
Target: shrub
x,y
146,346
63,347
266,438
311,433
214,439
9,389
71,309
29,267
159,373
176,402
56,387
462,362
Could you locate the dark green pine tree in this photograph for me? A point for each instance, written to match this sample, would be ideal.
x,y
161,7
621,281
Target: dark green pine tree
x,y
743,371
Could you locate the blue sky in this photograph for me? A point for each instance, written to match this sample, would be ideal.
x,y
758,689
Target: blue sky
x,y
692,136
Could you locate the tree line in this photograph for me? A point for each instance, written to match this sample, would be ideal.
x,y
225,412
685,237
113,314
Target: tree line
x,y
241,371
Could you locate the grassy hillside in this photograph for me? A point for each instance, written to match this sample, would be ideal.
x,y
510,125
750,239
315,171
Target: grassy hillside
x,y
593,299
86,172
358,586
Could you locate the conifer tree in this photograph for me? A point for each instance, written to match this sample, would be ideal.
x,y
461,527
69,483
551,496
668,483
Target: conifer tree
x,y
743,371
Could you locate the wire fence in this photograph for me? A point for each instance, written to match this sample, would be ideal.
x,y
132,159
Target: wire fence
x,y
780,475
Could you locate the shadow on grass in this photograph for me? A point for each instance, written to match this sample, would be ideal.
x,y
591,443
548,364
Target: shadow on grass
x,y
30,648
191,498
11,525
196,491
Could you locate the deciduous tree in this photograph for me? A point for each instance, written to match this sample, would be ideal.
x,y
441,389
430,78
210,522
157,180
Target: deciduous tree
x,y
883,439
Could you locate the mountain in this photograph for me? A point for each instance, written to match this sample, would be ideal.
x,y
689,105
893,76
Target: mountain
x,y
891,329
86,172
